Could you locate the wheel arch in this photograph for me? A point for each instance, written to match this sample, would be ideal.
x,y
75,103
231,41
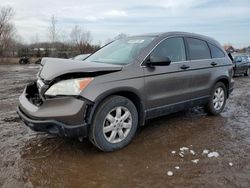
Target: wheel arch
x,y
129,93
225,81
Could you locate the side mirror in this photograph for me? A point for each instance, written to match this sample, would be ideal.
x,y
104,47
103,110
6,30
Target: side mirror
x,y
239,61
158,61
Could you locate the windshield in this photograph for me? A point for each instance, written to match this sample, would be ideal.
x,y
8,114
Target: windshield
x,y
122,51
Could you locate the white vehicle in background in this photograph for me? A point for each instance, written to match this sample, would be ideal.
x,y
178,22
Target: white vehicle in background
x,y
248,57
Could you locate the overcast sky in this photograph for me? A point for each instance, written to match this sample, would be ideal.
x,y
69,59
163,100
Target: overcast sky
x,y
225,20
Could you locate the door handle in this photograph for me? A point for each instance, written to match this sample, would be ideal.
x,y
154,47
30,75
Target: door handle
x,y
184,67
213,64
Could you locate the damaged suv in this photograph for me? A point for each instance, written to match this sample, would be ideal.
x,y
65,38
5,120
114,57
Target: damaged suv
x,y
115,90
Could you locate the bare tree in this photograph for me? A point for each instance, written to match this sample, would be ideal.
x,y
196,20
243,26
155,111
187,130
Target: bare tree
x,y
64,37
81,39
53,36
34,40
53,32
7,30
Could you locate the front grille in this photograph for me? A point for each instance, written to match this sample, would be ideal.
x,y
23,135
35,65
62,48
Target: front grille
x,y
32,94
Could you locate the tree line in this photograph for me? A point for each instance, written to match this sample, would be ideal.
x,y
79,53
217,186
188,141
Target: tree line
x,y
7,29
79,40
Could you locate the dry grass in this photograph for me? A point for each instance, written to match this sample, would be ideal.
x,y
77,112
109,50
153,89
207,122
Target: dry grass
x,y
14,60
9,60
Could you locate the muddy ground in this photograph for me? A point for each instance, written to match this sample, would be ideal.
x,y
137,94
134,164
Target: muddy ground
x,y
29,159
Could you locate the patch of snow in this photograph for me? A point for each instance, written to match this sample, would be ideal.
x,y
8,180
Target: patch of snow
x,y
177,167
192,152
230,164
80,139
213,154
195,161
173,152
181,155
31,67
170,173
205,151
184,149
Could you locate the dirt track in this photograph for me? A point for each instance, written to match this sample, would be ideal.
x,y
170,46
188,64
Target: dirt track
x,y
29,159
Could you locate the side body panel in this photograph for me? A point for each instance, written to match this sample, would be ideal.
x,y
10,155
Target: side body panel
x,y
165,86
206,70
162,89
205,75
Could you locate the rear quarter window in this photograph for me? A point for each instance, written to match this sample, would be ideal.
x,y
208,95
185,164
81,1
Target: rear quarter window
x,y
216,52
198,49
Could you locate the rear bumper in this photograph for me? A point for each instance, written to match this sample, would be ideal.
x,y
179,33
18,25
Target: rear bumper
x,y
54,127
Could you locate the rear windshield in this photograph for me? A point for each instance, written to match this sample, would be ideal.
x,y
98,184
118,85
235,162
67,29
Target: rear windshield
x,y
122,51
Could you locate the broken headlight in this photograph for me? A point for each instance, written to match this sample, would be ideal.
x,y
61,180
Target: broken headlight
x,y
68,87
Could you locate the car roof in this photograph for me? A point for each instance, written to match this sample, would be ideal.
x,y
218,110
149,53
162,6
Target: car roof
x,y
166,34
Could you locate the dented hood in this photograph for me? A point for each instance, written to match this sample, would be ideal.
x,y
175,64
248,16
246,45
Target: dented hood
x,y
55,67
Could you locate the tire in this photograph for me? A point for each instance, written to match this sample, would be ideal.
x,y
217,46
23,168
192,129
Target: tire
x,y
247,72
114,116
215,108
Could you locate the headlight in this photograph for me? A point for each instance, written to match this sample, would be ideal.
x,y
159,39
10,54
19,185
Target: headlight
x,y
69,87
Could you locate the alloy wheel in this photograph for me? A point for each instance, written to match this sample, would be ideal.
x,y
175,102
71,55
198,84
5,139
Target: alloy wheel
x,y
219,98
117,124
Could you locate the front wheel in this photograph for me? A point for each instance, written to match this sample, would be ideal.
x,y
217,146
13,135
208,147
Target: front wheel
x,y
217,100
115,124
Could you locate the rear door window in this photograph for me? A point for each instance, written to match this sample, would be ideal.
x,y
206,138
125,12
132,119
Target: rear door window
x,y
198,49
216,52
173,48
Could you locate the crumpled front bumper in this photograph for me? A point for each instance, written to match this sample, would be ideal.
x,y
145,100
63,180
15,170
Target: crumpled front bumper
x,y
54,127
63,116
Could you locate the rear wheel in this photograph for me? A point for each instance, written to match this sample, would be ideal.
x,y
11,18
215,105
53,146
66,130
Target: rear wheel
x,y
217,99
115,124
247,72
